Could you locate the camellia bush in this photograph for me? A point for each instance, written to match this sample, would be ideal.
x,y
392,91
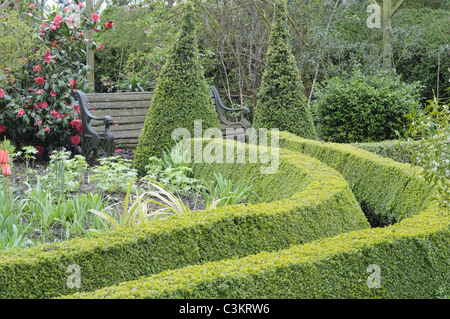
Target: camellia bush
x,y
364,108
37,105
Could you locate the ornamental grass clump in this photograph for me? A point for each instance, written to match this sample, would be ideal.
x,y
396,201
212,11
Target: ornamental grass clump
x,y
281,101
181,96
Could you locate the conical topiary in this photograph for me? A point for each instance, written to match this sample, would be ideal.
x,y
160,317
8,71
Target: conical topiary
x,y
281,102
181,96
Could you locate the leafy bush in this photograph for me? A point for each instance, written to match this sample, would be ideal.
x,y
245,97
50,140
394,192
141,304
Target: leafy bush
x,y
281,100
113,174
364,108
432,129
38,108
181,97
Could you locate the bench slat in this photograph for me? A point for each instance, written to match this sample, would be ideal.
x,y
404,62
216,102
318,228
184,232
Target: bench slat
x,y
120,105
126,96
121,113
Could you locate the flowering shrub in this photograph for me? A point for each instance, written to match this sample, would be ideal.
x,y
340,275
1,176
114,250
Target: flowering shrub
x,y
37,106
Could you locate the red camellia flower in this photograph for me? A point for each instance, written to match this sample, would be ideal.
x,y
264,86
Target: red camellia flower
x,y
57,20
75,122
48,59
80,5
36,68
40,150
52,27
47,129
76,140
95,17
52,93
2,129
101,47
21,112
96,29
40,80
73,82
109,25
2,93
79,128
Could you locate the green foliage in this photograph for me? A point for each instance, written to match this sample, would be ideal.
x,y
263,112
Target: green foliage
x,y
319,204
363,108
113,174
181,97
222,192
412,259
281,101
120,46
400,151
387,191
432,129
17,40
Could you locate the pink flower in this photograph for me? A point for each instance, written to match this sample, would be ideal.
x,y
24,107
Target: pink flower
x,y
40,150
75,123
48,59
21,112
2,129
109,25
66,9
40,80
43,105
47,129
79,128
39,92
31,6
47,53
118,150
80,5
4,157
95,17
2,93
55,113
53,27
72,38
36,68
101,47
96,29
52,93
57,20
76,140
73,82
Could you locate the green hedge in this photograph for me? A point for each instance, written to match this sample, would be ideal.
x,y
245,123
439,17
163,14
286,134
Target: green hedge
x,y
387,191
413,257
320,204
398,151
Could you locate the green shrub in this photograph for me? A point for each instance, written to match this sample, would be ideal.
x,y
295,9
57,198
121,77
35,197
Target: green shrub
x,y
363,108
181,97
412,258
315,203
281,100
387,191
400,151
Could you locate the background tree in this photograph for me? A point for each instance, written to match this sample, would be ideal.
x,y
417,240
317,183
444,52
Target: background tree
x,y
281,100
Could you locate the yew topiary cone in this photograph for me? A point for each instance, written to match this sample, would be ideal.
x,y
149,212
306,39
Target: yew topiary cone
x,y
281,101
181,96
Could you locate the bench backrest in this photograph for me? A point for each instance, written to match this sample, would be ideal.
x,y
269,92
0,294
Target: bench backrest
x,y
128,110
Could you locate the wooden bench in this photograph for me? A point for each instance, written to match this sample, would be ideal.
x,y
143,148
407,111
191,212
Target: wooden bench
x,y
115,120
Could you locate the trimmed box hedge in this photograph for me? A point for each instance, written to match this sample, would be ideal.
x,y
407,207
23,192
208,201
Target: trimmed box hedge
x,y
398,151
412,256
320,204
387,191
412,259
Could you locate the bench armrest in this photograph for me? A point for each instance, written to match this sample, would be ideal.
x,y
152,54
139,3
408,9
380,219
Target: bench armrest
x,y
87,115
246,110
